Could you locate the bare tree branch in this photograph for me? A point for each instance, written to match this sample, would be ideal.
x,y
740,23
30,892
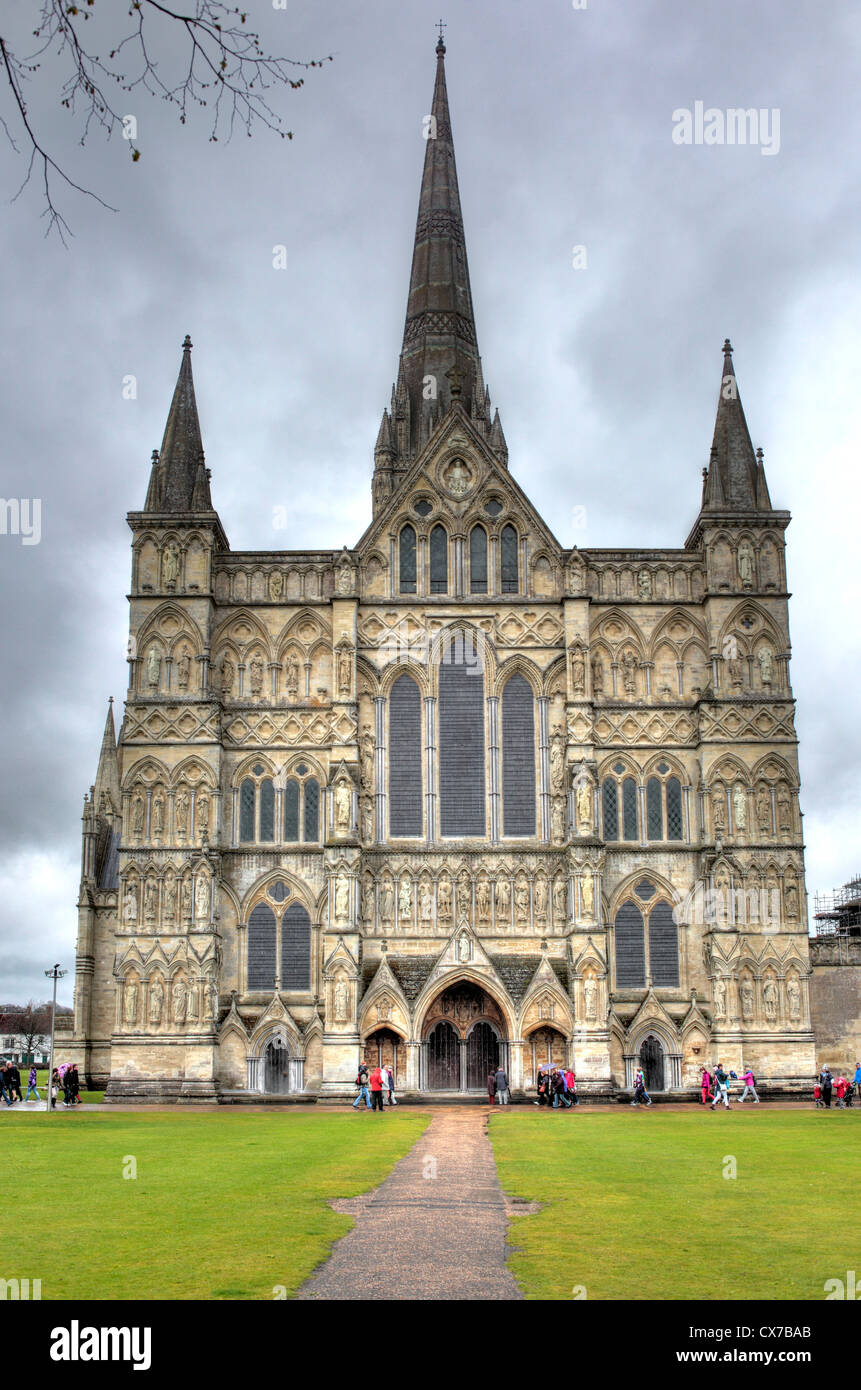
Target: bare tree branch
x,y
223,67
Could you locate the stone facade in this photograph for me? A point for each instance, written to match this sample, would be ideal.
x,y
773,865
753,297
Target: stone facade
x,y
835,991
456,792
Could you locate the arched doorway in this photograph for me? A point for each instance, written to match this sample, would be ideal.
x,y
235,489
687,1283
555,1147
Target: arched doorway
x,y
383,1049
482,1056
548,1048
276,1068
652,1062
464,1038
443,1058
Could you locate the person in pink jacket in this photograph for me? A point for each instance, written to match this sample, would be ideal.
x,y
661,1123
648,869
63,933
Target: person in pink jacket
x,y
749,1085
706,1084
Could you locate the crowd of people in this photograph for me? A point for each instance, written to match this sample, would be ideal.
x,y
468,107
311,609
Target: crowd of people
x,y
374,1086
65,1078
828,1085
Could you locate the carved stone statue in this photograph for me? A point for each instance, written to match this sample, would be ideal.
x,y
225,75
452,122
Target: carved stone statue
x,y
769,999
590,997
179,1000
202,898
343,805
368,912
345,671
766,665
210,1000
366,762
719,810
228,672
793,997
463,948
150,899
784,809
587,893
157,813
482,899
560,902
345,579
181,813
138,811
387,900
763,809
340,996
736,667
185,899
597,676
201,813
791,899
170,566
584,806
255,674
153,667
405,896
193,1001
745,564
367,820
292,678
578,672
425,901
539,898
276,585
521,900
503,902
644,584
130,1002
747,999
557,762
443,899
629,667
156,1001
739,807
183,667
342,898
464,896
557,818
720,997
169,900
130,903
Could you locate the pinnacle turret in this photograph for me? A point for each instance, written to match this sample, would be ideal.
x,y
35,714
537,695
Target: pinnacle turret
x,y
173,480
736,477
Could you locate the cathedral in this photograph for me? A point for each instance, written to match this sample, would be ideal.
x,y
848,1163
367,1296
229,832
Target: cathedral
x,y
456,793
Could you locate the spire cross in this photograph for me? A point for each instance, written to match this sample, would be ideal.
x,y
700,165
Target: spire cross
x,y
442,27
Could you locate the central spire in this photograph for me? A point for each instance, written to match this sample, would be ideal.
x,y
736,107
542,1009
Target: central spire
x,y
439,360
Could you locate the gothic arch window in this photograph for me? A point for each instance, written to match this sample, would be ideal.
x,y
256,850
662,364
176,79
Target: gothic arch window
x,y
478,560
630,947
407,555
439,560
296,948
267,810
261,948
665,820
302,807
509,568
610,799
405,758
518,757
247,802
461,738
663,946
647,942
629,810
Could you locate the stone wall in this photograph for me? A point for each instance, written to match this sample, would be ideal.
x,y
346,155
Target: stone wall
x,y
835,1001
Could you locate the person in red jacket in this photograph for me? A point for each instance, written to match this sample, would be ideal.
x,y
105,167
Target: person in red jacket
x,y
840,1088
706,1084
377,1090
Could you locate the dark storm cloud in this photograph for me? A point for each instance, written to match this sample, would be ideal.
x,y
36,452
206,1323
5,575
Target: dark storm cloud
x,y
606,377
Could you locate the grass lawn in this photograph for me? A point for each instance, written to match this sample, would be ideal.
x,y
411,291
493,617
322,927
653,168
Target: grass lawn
x,y
637,1205
225,1205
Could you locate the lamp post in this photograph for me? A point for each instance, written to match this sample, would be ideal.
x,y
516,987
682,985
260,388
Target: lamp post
x,y
55,974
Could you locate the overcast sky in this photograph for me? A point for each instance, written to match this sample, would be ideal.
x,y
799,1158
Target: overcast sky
x,y
606,377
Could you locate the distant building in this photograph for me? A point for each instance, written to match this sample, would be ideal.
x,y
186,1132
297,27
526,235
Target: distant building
x,y
454,794
14,1048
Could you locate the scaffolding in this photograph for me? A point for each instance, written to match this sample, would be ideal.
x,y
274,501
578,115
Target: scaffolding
x,y
838,913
